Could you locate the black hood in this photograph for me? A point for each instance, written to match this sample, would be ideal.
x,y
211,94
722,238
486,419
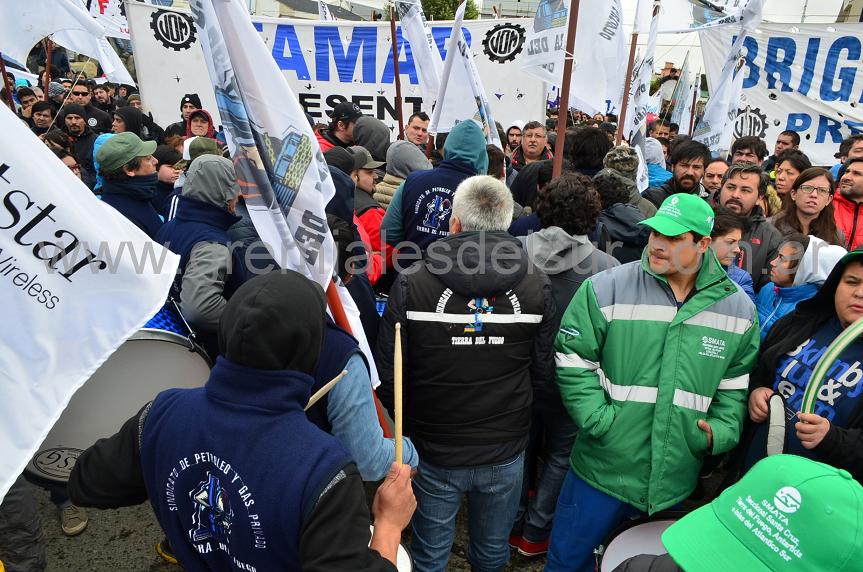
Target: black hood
x,y
342,203
276,322
524,185
133,119
473,263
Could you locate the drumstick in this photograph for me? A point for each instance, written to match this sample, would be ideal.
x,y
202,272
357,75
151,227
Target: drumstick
x,y
397,389
324,390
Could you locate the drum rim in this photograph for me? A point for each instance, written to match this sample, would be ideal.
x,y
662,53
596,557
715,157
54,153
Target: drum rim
x,y
155,334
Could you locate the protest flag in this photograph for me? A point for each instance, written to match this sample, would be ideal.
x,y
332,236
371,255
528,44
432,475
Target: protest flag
x,y
427,58
324,12
76,280
638,98
461,96
284,178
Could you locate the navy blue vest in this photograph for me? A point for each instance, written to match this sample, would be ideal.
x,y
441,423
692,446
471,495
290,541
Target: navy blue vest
x,y
195,222
427,202
339,346
234,468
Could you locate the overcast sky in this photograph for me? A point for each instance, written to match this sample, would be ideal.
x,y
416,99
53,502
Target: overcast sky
x,y
673,47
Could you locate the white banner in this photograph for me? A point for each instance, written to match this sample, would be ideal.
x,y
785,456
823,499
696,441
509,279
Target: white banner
x,y
111,15
640,101
427,58
76,279
600,53
324,13
802,77
329,62
462,96
689,15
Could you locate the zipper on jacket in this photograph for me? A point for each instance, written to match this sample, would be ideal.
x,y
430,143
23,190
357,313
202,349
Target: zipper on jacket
x,y
854,225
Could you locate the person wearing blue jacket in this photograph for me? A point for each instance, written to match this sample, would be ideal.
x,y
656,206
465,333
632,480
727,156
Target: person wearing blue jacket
x,y
654,158
801,267
421,207
727,231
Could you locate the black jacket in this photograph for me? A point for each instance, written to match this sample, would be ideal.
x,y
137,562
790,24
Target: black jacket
x,y
842,447
759,245
476,331
619,233
82,149
658,194
97,120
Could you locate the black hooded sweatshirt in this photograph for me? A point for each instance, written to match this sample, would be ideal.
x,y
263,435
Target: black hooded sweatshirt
x,y
842,447
335,532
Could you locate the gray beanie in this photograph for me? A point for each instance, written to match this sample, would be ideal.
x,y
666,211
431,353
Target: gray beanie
x,y
403,158
623,159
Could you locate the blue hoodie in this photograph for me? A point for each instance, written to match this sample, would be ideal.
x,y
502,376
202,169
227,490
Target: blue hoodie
x,y
421,206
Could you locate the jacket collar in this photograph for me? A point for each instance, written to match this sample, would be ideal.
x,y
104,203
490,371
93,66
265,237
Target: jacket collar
x,y
710,273
192,210
271,390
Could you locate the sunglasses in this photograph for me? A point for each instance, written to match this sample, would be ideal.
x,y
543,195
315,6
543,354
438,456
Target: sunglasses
x,y
81,93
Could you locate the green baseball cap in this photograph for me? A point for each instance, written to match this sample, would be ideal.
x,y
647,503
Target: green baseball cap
x,y
122,148
787,513
682,213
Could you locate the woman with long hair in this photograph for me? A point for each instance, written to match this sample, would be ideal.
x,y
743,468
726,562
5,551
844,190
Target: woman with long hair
x,y
810,208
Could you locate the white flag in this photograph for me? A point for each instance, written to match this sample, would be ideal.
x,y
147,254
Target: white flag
x,y
690,15
76,280
27,22
98,48
462,96
285,180
427,59
600,53
324,12
717,125
640,101
682,114
110,15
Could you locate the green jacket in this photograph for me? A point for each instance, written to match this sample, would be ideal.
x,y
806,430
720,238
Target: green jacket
x,y
636,374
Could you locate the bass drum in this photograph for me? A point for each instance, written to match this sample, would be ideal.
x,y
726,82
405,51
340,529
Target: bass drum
x,y
160,356
642,536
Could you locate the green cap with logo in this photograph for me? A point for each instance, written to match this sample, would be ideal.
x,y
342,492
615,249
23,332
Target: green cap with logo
x,y
787,513
122,148
682,213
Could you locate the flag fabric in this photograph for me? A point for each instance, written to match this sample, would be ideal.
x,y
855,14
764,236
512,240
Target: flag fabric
x,y
682,114
717,125
640,101
427,58
324,12
76,280
600,53
679,16
110,15
681,88
284,178
461,96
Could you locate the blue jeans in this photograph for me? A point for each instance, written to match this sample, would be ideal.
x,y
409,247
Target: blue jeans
x,y
583,520
535,516
492,494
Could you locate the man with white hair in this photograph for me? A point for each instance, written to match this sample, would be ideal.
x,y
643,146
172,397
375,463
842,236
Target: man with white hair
x,y
477,331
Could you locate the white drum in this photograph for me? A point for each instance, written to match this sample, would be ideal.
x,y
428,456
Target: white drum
x,y
642,538
150,361
404,562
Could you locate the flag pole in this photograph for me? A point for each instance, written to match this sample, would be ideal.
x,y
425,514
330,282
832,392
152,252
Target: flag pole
x,y
398,80
398,396
10,98
48,48
563,106
627,85
694,101
341,320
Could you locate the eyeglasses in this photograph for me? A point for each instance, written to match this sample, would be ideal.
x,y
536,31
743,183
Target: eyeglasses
x,y
809,189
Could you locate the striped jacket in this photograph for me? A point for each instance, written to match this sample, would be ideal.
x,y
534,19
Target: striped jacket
x,y
636,374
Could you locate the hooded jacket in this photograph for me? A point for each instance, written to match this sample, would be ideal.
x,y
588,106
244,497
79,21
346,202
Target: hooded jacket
x,y
524,184
646,207
209,270
133,119
477,324
133,197
374,135
815,265
842,447
638,438
759,245
211,130
619,233
403,158
238,477
568,261
849,219
420,211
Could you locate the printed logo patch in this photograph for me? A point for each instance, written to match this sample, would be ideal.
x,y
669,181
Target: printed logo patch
x,y
788,500
174,31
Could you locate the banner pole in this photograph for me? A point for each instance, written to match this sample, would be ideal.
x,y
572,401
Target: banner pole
x,y
10,100
398,80
627,85
694,101
563,106
48,49
341,320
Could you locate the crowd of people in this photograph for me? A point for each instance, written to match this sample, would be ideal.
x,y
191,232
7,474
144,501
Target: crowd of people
x,y
576,353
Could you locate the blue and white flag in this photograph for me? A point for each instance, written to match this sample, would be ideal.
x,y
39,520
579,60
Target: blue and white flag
x,y
461,96
284,178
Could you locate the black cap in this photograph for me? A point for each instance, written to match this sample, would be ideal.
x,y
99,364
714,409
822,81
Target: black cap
x,y
341,158
346,112
166,155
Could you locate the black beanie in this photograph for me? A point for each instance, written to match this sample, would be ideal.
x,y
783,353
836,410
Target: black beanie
x,y
193,99
74,109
